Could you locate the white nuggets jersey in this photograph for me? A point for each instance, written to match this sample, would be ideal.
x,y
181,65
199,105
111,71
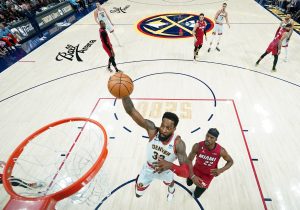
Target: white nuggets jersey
x,y
157,149
220,18
102,16
285,42
285,23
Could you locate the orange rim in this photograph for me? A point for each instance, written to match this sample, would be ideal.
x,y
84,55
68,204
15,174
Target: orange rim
x,y
68,191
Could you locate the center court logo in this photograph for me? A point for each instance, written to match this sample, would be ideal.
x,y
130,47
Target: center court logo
x,y
74,51
172,25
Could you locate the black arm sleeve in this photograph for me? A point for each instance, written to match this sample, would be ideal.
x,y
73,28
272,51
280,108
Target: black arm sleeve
x,y
104,36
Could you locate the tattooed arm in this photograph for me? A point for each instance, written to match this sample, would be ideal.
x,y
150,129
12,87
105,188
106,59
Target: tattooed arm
x,y
137,117
184,169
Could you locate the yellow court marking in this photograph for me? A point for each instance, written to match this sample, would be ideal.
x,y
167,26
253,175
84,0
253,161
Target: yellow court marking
x,y
175,24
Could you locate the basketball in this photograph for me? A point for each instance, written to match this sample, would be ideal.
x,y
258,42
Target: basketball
x,y
120,85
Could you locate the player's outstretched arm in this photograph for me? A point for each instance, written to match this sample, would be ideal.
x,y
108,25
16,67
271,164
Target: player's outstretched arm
x,y
291,31
96,17
193,153
136,116
107,16
194,30
191,157
216,15
229,163
196,180
227,21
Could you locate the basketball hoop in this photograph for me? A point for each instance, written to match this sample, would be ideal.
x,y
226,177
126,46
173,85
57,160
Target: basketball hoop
x,y
76,165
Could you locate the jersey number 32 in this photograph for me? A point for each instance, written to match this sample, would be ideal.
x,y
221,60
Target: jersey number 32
x,y
155,156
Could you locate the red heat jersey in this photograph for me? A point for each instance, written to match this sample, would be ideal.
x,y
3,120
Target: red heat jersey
x,y
106,37
205,161
274,44
107,46
200,29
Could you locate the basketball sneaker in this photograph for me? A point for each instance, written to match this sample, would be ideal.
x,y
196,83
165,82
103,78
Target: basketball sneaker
x,y
170,195
218,49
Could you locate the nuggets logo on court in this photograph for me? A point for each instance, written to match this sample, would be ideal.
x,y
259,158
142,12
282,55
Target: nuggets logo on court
x,y
177,25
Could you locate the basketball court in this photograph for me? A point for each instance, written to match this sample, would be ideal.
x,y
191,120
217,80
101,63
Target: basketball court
x,y
255,110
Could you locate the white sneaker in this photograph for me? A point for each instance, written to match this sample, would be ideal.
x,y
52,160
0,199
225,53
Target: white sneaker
x,y
170,195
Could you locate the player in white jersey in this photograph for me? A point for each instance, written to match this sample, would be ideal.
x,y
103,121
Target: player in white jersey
x,y
101,14
285,43
218,29
163,148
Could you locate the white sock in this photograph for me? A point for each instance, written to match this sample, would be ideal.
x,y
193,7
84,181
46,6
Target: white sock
x,y
212,40
285,52
171,189
218,40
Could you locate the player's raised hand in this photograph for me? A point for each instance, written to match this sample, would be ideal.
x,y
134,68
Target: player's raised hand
x,y
215,172
198,181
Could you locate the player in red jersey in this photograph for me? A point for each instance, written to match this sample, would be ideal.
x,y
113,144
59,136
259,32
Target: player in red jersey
x,y
107,46
198,33
208,154
275,45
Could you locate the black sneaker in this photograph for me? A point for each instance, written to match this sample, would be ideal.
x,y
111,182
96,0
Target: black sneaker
x,y
208,50
218,49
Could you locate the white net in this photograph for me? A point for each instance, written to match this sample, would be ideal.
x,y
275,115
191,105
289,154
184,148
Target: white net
x,y
57,158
